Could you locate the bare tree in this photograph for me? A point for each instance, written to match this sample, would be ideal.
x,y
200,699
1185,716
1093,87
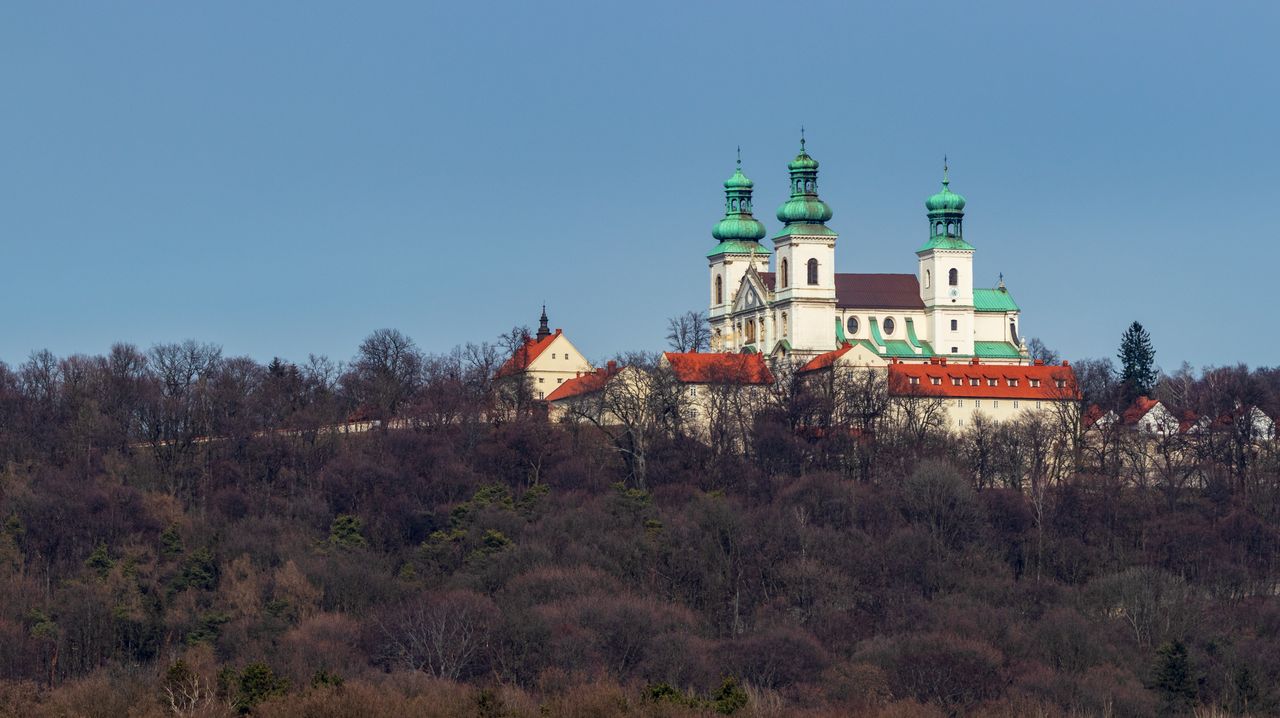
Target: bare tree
x,y
444,636
689,332
385,372
1040,352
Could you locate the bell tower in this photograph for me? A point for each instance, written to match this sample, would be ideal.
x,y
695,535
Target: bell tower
x,y
946,273
738,236
805,284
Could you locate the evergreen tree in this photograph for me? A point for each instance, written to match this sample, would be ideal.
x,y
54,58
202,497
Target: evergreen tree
x,y
1137,361
1173,677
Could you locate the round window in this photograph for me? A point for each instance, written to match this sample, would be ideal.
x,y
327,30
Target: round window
x,y
888,325
852,325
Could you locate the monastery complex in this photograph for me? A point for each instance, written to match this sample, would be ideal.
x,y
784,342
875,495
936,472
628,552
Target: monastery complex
x,y
930,333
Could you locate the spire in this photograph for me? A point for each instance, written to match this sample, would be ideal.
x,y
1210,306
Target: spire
x,y
738,224
544,330
804,208
946,215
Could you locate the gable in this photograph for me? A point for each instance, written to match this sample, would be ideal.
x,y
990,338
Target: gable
x,y
749,295
559,355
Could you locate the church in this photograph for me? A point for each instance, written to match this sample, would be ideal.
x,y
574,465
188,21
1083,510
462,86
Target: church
x,y
791,301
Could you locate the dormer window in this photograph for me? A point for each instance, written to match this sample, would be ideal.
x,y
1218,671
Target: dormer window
x,y
935,380
991,382
915,380
955,381
973,382
1035,383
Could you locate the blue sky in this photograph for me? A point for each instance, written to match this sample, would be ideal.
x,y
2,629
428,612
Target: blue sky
x,y
282,178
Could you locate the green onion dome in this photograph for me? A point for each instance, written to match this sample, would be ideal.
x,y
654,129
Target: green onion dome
x,y
738,224
804,206
945,200
738,181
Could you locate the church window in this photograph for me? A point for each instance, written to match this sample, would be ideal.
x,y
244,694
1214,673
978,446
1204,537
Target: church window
x,y
719,290
852,325
813,271
784,271
954,325
953,278
928,279
888,325
751,330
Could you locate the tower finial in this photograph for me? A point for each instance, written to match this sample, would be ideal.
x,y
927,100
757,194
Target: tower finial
x,y
544,329
802,138
945,178
739,156
1000,286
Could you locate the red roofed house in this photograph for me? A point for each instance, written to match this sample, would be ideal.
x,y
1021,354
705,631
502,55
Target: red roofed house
x,y
720,391
574,392
1150,416
999,391
546,360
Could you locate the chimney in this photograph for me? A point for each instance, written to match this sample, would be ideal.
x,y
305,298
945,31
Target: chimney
x,y
1039,362
613,366
974,361
1066,363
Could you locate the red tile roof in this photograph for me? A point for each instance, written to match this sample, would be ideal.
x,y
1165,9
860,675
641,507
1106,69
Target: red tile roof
x,y
585,384
878,291
823,361
900,376
525,355
699,368
1139,409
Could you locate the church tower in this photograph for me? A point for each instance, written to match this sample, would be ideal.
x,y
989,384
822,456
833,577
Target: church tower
x,y
946,273
739,248
805,282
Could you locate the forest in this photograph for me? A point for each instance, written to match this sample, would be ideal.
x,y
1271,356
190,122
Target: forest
x,y
184,533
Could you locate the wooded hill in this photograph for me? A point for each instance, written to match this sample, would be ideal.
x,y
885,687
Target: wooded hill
x,y
164,550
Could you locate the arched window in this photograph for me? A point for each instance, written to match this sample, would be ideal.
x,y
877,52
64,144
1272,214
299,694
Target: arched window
x,y
719,290
950,229
937,228
813,271
784,273
953,278
928,279
751,331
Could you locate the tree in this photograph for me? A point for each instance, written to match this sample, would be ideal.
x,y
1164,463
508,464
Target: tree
x,y
386,371
1137,362
1040,352
1173,677
688,332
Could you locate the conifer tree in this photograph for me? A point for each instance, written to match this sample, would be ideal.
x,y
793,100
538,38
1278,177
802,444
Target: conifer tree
x,y
1137,361
1173,677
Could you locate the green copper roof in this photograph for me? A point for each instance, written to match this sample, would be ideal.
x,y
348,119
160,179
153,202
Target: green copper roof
x,y
945,201
993,300
738,247
995,350
738,224
942,241
738,181
804,206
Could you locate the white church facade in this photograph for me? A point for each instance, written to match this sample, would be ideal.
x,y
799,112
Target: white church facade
x,y
792,301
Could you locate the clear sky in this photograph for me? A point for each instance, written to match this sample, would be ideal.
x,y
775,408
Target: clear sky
x,y
282,178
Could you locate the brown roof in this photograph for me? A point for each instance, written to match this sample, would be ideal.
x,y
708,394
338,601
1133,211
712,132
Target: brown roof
x,y
768,278
878,291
